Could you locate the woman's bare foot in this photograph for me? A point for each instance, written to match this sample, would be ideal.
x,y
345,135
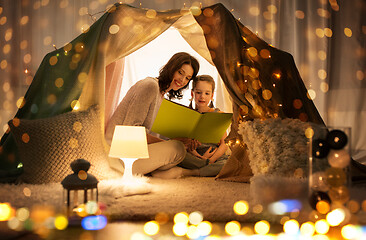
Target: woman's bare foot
x,y
172,173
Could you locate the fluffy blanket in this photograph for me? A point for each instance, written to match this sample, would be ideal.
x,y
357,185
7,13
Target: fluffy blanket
x,y
276,146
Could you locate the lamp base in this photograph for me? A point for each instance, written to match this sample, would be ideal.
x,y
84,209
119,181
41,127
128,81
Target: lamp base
x,y
136,186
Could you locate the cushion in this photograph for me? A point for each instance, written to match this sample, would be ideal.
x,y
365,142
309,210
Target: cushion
x,y
236,168
276,146
48,146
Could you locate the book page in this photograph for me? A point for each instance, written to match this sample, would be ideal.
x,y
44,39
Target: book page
x,y
212,126
175,120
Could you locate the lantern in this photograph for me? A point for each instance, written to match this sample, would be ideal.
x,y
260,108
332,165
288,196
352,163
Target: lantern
x,y
79,188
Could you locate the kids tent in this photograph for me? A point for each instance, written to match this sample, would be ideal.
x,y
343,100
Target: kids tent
x,y
263,82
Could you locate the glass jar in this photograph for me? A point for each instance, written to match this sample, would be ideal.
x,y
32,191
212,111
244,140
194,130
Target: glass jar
x,y
329,161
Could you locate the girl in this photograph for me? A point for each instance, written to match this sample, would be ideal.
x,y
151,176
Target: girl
x,y
208,159
140,106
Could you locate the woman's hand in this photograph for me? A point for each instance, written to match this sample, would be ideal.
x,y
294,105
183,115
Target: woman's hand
x,y
190,144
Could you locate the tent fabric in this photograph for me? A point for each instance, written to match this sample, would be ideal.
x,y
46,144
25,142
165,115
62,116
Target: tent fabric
x,y
262,81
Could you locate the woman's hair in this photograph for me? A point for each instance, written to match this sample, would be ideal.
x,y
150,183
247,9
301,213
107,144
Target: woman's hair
x,y
203,78
174,64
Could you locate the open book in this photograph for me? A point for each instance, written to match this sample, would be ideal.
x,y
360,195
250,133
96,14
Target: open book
x,y
175,120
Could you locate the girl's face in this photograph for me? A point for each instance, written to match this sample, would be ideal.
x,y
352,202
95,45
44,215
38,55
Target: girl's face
x,y
202,94
181,77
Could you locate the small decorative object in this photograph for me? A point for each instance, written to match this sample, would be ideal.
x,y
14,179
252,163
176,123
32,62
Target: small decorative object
x,y
80,187
329,158
317,196
129,143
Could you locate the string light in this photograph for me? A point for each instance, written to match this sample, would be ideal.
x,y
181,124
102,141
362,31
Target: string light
x,y
92,17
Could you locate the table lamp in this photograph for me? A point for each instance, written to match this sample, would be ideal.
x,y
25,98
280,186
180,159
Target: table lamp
x,y
129,144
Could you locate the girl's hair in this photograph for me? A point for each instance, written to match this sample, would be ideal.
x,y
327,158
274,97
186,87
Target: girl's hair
x,y
203,78
174,64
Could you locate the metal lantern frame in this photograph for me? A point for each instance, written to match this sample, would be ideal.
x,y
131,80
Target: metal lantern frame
x,y
79,182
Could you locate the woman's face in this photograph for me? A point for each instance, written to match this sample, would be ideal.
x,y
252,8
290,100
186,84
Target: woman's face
x,y
181,77
202,94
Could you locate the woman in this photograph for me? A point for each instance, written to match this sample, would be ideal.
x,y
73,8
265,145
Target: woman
x,y
140,106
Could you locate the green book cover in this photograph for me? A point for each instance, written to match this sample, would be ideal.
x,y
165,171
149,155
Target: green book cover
x,y
175,120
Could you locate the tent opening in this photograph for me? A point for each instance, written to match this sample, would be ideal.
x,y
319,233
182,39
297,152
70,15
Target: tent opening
x,y
148,60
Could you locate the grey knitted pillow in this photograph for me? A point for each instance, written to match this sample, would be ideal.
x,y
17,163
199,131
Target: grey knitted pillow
x,y
47,146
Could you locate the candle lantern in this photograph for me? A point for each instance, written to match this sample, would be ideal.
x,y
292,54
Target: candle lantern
x,y
79,187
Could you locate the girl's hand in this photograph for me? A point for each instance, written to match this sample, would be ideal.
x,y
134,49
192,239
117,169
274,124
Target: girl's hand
x,y
209,153
195,153
211,161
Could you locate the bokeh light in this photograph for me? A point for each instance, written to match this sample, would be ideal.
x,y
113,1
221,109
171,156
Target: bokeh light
x,y
75,104
311,94
336,217
27,192
162,218
258,208
181,217
61,222
319,32
322,207
114,29
321,226
324,87
151,13
91,207
322,74
15,224
348,32
241,207
254,11
232,228
291,227
192,232
151,228
307,229
353,206
94,222
299,14
204,228
195,217
262,227
180,228
22,214
328,32
349,232
5,211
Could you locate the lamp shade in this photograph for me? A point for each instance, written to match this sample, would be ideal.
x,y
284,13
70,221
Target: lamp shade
x,y
129,142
